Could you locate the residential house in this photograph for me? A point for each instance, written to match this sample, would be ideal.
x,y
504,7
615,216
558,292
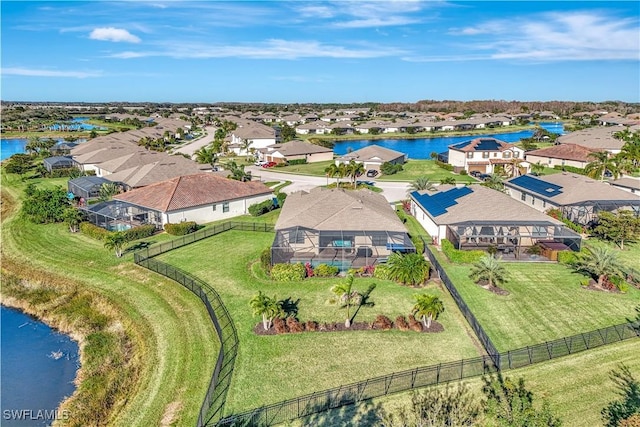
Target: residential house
x,y
151,173
316,127
596,138
629,184
483,155
578,197
295,150
338,227
477,217
252,135
572,155
373,156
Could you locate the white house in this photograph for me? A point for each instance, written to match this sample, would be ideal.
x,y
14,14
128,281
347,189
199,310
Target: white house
x,y
483,154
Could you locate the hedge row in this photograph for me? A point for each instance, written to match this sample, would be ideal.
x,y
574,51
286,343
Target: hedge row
x,y
93,231
261,208
131,234
461,257
181,228
291,325
288,272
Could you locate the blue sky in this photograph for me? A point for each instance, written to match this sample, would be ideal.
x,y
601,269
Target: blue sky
x,y
340,51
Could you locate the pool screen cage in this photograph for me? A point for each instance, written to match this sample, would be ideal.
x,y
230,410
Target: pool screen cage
x,y
116,215
586,213
344,249
510,236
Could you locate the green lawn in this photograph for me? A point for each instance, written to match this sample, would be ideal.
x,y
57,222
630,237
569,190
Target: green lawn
x,y
577,387
416,168
546,302
173,339
273,368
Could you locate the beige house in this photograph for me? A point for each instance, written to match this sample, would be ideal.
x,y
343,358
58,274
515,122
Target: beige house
x,y
597,139
373,156
572,155
338,227
295,150
483,155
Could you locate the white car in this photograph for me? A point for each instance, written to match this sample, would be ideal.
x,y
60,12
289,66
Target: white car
x,y
260,163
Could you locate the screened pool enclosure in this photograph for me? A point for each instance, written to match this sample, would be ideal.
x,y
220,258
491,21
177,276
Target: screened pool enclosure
x,y
116,215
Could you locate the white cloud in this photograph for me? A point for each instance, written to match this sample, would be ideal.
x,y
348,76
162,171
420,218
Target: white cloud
x,y
29,72
112,34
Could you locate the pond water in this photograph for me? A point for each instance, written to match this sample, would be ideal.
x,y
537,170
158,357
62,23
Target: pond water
x,y
422,148
11,146
38,368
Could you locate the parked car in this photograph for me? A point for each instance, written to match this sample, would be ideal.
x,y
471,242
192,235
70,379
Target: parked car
x,y
369,183
260,163
372,173
484,176
269,164
474,173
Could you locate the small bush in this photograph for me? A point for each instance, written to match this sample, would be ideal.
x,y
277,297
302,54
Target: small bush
x,y
297,162
414,324
326,270
382,272
265,259
390,168
261,208
382,322
311,326
567,257
288,272
445,166
308,269
181,228
93,231
572,169
458,256
140,232
464,172
401,323
281,198
293,325
280,326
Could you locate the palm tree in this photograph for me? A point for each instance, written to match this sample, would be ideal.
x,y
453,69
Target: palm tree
x,y
600,262
115,241
600,165
495,182
108,190
354,169
345,296
537,168
631,148
411,269
206,156
490,269
420,184
336,171
72,217
268,308
245,145
448,180
428,307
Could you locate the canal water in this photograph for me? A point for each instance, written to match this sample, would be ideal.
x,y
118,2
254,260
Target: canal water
x,y
422,148
37,371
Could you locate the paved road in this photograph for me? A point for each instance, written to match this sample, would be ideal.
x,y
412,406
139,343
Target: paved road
x,y
194,146
392,191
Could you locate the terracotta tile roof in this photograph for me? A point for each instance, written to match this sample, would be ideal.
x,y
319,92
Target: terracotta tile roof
x,y
190,191
565,152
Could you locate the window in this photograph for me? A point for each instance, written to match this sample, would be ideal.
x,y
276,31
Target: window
x,y
506,154
485,155
539,231
225,207
470,155
544,203
495,154
533,200
214,207
523,197
516,154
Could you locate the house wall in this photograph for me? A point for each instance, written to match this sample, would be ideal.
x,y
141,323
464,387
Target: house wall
x,y
457,158
204,214
531,199
427,223
319,157
547,161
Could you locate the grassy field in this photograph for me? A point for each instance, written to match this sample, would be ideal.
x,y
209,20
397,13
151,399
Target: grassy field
x,y
272,368
577,387
173,340
545,302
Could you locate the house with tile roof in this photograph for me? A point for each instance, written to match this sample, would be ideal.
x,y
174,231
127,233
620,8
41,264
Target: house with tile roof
x,y
483,155
573,155
256,135
373,156
477,217
202,198
596,138
295,150
338,227
578,197
166,167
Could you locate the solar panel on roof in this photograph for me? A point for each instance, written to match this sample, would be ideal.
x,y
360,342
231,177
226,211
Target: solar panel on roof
x,y
488,145
461,145
537,186
438,203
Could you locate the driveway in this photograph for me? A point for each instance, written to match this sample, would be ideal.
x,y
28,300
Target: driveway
x,y
392,191
193,146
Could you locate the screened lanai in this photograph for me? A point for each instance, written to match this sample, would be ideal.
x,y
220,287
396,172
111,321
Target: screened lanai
x,y
344,249
116,215
511,237
86,187
586,213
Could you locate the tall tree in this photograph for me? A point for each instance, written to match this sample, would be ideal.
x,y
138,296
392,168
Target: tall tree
x,y
336,171
206,156
72,217
115,241
600,165
620,226
428,307
353,170
490,269
537,168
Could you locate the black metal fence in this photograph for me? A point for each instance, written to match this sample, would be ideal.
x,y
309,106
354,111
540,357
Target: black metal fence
x,y
211,412
212,407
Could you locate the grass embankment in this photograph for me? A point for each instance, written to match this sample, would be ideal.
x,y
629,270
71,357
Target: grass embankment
x,y
172,344
545,302
272,368
577,387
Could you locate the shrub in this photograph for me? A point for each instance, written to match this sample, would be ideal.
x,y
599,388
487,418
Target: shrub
x,y
297,162
390,168
418,243
445,166
311,326
181,228
279,325
619,283
326,270
382,272
265,259
261,208
382,322
414,324
308,269
288,272
458,256
572,169
293,325
140,232
45,205
93,231
281,198
401,323
567,257
463,172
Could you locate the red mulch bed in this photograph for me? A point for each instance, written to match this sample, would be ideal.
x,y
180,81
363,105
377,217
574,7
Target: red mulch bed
x,y
593,286
258,329
496,290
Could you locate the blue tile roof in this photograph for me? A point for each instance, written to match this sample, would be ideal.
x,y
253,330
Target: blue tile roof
x,y
537,186
438,203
